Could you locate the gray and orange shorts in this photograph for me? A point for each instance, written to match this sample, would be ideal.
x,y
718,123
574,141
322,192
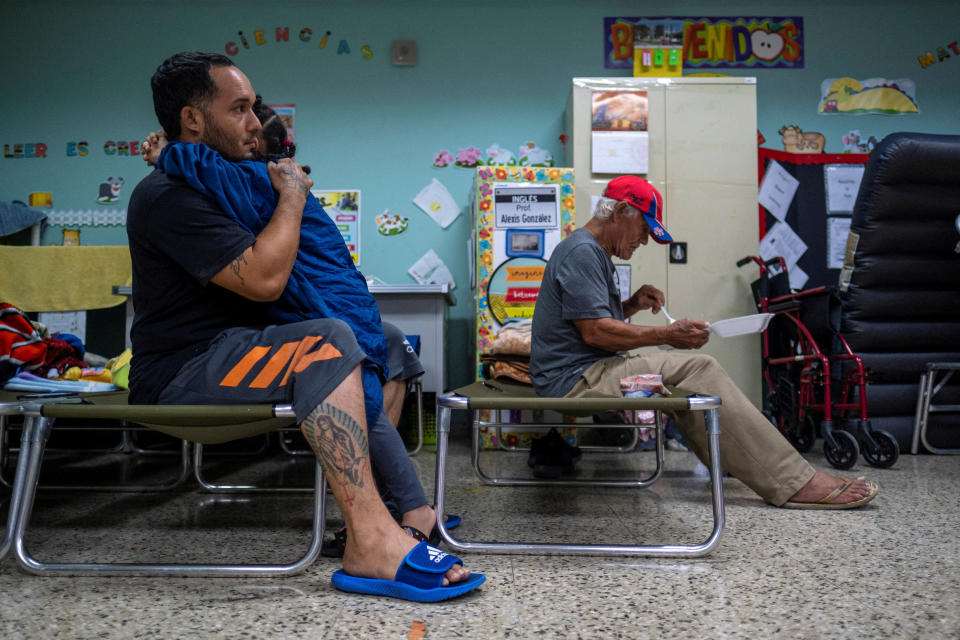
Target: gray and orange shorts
x,y
299,363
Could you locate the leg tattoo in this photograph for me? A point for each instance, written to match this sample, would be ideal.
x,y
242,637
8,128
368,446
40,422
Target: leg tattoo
x,y
339,441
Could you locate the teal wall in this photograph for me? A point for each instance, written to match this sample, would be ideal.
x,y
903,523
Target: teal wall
x,y
494,72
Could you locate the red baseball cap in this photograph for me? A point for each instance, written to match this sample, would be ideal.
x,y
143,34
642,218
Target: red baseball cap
x,y
641,195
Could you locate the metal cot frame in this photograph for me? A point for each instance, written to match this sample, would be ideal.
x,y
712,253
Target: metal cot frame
x,y
414,387
500,396
198,423
930,386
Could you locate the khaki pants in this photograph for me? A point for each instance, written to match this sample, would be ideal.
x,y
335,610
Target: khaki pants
x,y
752,450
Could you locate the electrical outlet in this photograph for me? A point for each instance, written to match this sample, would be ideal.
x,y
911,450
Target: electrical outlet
x,y
404,53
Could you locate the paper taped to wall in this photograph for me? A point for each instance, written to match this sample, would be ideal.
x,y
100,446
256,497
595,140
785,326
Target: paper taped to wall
x,y
437,203
430,269
777,190
782,241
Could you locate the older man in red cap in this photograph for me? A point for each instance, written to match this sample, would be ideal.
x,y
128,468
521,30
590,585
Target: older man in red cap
x,y
580,340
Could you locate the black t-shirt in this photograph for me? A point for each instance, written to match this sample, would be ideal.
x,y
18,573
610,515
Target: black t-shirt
x,y
179,239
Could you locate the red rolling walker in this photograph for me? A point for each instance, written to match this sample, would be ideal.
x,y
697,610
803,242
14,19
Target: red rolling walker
x,y
801,377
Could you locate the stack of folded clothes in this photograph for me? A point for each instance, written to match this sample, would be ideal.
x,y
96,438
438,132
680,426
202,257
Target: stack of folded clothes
x,y
551,456
509,357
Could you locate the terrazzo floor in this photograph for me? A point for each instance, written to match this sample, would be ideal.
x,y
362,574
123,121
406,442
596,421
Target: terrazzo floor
x,y
889,570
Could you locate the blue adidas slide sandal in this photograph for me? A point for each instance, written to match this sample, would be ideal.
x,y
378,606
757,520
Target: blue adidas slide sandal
x,y
419,578
452,521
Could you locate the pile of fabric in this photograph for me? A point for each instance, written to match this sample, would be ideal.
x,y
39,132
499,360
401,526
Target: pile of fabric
x,y
509,357
34,360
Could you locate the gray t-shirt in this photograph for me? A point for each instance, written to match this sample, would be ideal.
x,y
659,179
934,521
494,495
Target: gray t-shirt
x,y
579,283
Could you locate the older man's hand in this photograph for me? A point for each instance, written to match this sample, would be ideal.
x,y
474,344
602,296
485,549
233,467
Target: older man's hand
x,y
646,297
687,334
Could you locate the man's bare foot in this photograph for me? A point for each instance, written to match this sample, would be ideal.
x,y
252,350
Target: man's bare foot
x,y
381,556
823,484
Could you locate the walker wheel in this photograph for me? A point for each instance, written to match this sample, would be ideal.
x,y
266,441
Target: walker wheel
x,y
804,434
885,454
844,454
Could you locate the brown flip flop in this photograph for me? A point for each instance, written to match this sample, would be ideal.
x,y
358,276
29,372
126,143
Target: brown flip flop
x,y
827,501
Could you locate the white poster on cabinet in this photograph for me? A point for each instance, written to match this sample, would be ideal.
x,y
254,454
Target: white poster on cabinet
x,y
619,142
616,152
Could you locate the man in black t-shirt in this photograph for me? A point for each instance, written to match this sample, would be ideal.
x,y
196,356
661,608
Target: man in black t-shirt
x,y
200,334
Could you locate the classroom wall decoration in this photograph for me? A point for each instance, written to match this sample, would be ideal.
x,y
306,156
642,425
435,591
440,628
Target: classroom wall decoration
x,y
533,156
25,150
619,142
657,49
928,58
486,179
40,199
442,159
796,140
529,155
88,218
713,42
73,149
846,96
109,191
436,201
468,158
305,37
854,143
343,207
390,224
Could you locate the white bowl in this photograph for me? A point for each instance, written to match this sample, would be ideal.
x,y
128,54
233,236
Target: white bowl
x,y
740,326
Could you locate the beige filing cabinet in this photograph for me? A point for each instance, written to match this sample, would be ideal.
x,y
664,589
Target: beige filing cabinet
x,y
703,159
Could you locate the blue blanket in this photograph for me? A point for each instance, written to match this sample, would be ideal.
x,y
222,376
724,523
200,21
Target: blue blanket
x,y
324,282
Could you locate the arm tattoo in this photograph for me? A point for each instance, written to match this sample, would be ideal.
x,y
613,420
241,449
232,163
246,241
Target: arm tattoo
x,y
235,267
339,442
294,178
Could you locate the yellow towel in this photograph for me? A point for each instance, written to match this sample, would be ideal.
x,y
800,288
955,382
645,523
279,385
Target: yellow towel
x,y
63,278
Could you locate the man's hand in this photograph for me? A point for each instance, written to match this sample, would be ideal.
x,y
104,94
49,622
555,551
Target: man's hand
x,y
288,178
646,297
261,272
687,334
151,147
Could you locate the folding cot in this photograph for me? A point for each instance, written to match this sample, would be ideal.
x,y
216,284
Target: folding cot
x,y
125,444
499,395
413,386
209,424
212,424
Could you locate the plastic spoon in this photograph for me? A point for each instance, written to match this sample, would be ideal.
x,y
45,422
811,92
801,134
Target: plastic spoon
x,y
666,347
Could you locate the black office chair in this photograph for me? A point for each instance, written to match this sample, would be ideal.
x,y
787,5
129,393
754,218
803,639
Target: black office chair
x,y
900,281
